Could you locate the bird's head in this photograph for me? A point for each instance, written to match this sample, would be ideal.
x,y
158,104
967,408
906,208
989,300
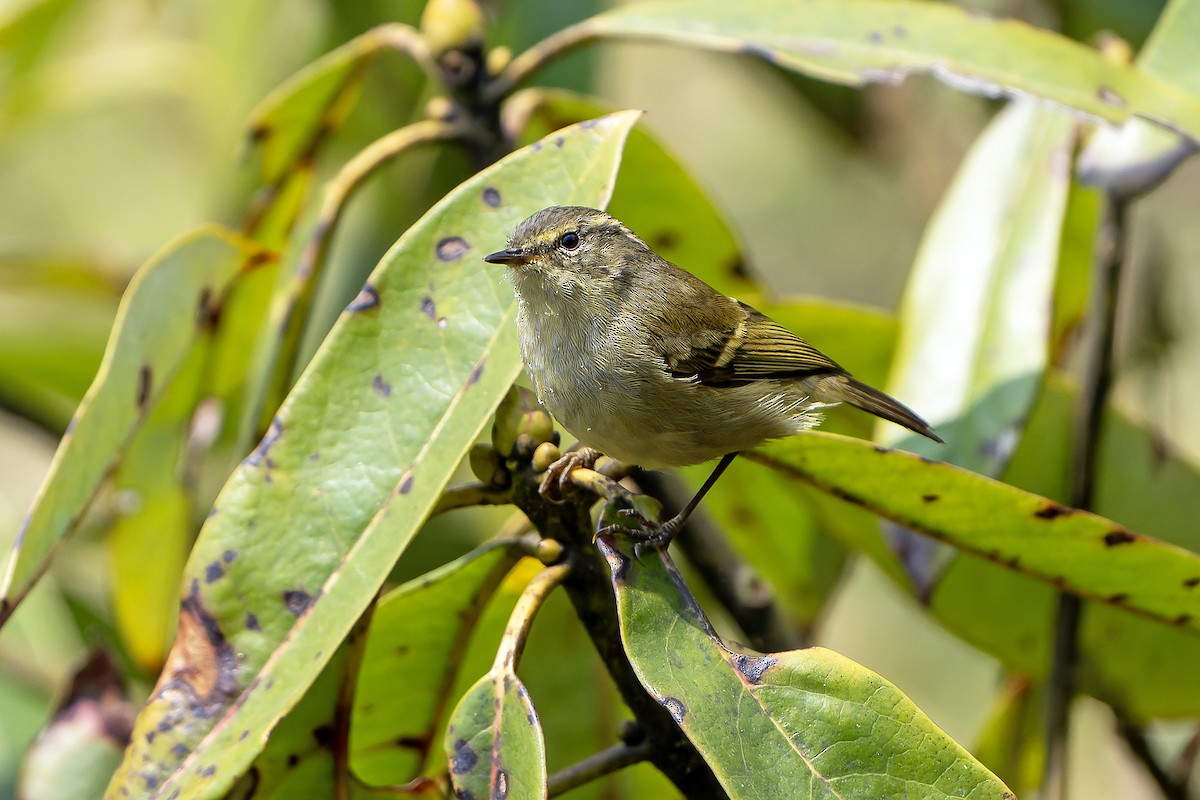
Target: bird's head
x,y
568,245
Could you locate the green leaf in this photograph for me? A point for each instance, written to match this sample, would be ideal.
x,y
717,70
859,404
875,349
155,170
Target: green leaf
x,y
309,525
975,322
1140,486
804,723
1073,550
417,639
866,41
291,122
496,710
163,318
494,742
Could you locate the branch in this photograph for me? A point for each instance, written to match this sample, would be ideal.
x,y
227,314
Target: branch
x,y
603,763
1094,389
589,587
471,494
536,57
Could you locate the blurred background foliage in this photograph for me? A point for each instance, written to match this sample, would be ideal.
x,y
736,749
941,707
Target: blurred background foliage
x,y
122,123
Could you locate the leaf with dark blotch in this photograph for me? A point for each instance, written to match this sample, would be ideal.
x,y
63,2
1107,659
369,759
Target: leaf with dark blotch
x,y
803,723
153,346
1074,551
323,509
418,635
494,742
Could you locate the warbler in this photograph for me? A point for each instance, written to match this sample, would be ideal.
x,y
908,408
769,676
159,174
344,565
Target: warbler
x,y
646,363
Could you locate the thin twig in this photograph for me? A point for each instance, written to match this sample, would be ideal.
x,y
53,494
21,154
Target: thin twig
x,y
516,633
471,494
1135,739
603,763
537,57
1093,395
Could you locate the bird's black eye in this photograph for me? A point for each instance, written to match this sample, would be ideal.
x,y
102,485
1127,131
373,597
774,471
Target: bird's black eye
x,y
569,240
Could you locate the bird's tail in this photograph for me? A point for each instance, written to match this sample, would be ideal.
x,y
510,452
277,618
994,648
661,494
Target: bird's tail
x,y
848,390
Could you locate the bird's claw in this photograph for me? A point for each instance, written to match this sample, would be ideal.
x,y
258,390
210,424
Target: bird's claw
x,y
649,535
557,480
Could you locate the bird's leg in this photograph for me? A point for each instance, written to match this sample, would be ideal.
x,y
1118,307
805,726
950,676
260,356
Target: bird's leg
x,y
661,535
558,475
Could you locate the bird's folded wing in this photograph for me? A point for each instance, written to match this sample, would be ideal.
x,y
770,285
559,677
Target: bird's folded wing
x,y
753,348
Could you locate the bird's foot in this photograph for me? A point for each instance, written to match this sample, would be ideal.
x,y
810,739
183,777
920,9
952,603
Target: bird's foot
x,y
639,526
556,483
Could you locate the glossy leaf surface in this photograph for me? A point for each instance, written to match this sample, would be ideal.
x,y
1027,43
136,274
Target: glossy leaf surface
x,y
310,524
804,723
418,638
1071,549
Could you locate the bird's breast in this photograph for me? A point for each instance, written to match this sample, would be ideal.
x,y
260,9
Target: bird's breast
x,y
604,383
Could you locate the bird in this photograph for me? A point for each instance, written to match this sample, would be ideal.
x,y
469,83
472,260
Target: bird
x,y
646,363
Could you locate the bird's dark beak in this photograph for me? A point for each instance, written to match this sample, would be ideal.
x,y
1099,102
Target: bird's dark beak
x,y
513,256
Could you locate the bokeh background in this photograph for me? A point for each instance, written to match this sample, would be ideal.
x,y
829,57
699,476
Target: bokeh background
x,y
122,124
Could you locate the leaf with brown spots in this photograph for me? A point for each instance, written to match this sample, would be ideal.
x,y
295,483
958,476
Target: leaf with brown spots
x,y
134,418
802,723
395,732
1079,552
335,525
494,743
